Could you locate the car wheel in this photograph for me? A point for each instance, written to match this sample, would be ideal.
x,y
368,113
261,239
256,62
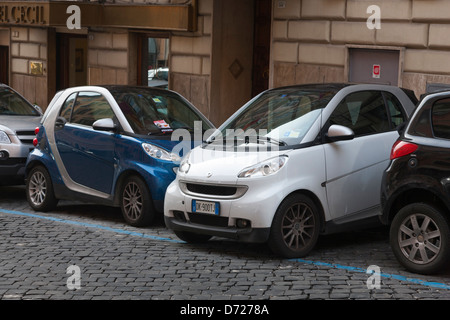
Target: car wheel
x,y
190,237
295,227
420,238
39,187
136,205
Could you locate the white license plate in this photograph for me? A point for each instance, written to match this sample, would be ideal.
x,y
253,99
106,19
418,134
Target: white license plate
x,y
205,207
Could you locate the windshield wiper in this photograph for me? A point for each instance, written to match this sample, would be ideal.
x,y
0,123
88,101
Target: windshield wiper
x,y
247,140
271,140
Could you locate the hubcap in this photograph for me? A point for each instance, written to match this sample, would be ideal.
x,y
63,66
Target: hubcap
x,y
298,226
419,239
37,188
132,201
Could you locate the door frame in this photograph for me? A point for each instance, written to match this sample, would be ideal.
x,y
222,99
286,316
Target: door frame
x,y
4,63
62,61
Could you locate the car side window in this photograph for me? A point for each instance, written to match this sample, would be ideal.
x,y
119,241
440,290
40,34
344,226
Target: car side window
x,y
90,107
66,109
364,112
397,116
440,119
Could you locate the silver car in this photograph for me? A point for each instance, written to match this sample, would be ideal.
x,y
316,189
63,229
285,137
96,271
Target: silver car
x,y
18,121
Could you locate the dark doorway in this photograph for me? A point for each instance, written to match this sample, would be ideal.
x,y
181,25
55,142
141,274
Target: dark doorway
x,y
261,46
4,63
71,60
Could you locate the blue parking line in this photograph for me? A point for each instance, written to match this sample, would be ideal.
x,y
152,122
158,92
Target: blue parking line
x,y
436,285
383,275
90,225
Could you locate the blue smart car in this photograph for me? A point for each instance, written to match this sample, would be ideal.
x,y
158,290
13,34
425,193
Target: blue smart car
x,y
110,145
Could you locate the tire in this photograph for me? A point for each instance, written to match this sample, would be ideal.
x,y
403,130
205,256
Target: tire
x,y
39,190
135,202
420,238
295,227
190,237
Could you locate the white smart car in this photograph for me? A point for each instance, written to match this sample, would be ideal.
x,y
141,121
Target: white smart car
x,y
293,163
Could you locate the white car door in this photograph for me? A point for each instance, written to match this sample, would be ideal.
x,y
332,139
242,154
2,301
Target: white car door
x,y
354,168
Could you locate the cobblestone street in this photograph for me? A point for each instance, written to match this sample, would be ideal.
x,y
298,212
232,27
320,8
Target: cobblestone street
x,y
117,261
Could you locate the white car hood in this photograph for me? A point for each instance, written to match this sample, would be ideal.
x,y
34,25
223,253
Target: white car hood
x,y
218,166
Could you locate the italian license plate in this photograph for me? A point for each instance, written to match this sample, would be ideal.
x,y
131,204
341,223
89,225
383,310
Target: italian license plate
x,y
205,207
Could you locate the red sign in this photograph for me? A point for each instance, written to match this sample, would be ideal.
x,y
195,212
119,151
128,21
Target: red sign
x,y
376,71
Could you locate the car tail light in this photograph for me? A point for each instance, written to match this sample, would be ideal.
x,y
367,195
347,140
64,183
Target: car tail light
x,y
35,142
36,131
402,148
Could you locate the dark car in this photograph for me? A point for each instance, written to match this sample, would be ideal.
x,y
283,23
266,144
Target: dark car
x,y
110,145
415,191
18,119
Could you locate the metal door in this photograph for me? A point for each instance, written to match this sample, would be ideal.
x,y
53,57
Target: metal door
x,y
374,66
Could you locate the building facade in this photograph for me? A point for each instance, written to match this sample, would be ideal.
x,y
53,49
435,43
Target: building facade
x,y
220,53
338,40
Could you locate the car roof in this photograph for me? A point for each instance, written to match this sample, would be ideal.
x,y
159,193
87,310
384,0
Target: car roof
x,y
336,87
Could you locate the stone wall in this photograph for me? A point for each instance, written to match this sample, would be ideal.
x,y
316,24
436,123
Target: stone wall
x,y
29,45
108,57
190,60
311,39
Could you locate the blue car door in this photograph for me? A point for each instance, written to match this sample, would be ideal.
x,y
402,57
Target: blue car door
x,y
88,155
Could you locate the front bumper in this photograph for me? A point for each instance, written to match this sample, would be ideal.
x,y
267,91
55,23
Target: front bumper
x,y
12,171
259,235
245,216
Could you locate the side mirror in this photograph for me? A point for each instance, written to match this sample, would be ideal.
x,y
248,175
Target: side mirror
x,y
38,109
339,133
106,124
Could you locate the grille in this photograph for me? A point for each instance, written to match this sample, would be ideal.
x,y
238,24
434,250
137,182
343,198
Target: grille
x,y
211,190
26,136
208,219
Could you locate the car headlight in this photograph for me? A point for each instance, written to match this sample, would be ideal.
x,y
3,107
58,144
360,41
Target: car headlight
x,y
4,137
159,153
185,165
264,168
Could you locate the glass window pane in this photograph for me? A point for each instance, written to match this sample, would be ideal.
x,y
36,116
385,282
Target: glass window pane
x,y
441,119
395,110
66,110
90,107
364,112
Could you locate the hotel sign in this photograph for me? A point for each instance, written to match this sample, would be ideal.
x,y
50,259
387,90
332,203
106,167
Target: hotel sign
x,y
54,14
17,13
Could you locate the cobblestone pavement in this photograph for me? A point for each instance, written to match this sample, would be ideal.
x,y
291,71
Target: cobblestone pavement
x,y
116,261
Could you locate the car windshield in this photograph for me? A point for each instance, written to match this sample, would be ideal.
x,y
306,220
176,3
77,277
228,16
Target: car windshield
x,y
283,115
151,111
13,104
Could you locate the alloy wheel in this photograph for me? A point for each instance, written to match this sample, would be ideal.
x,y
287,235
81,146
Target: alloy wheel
x,y
419,238
37,188
298,226
132,201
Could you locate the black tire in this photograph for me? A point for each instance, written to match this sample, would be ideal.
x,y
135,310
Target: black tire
x,y
190,237
420,238
136,203
39,190
295,227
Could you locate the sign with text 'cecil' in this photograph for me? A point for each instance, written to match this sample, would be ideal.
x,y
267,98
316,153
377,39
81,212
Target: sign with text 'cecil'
x,y
22,14
75,15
